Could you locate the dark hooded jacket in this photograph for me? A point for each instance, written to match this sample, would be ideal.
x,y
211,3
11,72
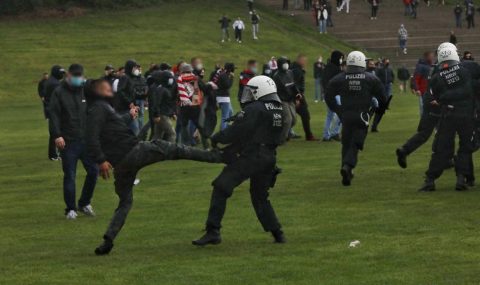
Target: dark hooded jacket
x,y
130,88
56,74
299,77
286,89
162,97
332,68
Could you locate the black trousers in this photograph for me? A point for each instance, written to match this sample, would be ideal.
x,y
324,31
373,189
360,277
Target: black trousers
x,y
187,114
304,113
143,154
425,128
285,5
470,22
448,128
379,113
258,167
354,133
374,11
52,149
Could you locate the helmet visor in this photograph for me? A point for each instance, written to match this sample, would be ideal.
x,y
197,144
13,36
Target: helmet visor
x,y
247,95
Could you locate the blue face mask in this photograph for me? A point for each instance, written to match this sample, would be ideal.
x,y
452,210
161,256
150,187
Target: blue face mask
x,y
254,70
76,81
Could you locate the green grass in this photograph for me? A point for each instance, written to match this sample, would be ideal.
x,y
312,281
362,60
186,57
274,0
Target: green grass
x,y
406,237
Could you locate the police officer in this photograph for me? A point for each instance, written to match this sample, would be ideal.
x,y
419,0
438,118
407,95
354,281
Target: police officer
x,y
111,143
351,94
288,92
451,88
254,137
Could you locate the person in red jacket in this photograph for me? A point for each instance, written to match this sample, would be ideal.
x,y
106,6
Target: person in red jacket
x,y
245,76
421,76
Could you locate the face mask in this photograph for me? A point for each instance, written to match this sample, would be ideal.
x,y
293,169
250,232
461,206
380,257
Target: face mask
x,y
341,60
253,69
285,66
268,71
136,72
76,81
170,81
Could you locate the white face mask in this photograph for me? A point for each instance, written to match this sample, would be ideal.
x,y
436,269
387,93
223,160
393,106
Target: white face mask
x,y
285,66
170,81
136,72
341,60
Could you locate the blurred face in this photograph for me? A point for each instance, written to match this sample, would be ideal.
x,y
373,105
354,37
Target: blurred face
x,y
430,57
104,90
109,72
197,64
371,64
121,72
302,61
387,62
253,67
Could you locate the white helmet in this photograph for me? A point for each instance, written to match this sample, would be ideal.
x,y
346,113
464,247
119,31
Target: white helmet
x,y
446,45
357,58
258,87
448,54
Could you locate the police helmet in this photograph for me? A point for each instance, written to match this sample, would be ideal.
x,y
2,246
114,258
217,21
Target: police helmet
x,y
258,87
448,54
357,58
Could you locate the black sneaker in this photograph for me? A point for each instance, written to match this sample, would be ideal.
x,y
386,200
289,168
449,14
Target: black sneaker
x,y
279,236
428,186
401,158
210,237
374,130
105,247
336,138
461,184
470,181
347,175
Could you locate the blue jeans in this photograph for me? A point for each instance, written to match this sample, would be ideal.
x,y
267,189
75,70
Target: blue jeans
x,y
332,125
322,26
388,90
420,104
403,44
227,112
71,154
141,112
318,89
458,21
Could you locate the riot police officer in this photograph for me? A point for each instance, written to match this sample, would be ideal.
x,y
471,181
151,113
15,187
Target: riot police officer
x,y
351,94
253,138
451,88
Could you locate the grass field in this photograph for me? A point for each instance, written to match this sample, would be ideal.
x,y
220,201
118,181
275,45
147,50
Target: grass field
x,y
406,237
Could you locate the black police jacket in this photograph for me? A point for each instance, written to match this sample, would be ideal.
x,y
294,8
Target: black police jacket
x,y
356,90
260,124
452,88
286,89
108,136
68,113
162,101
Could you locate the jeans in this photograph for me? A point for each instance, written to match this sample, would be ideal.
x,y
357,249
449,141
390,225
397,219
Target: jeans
x,y
458,21
318,89
322,26
403,44
225,35
141,112
332,125
420,104
238,35
388,89
71,154
408,10
255,30
345,3
227,112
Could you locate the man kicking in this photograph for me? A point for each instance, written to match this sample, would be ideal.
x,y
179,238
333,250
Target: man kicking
x,y
113,145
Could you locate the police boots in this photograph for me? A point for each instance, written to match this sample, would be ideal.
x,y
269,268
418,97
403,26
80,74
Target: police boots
x,y
212,236
278,236
347,175
401,158
428,185
461,183
105,247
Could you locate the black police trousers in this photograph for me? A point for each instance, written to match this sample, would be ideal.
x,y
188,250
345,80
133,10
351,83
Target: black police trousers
x,y
354,133
304,113
143,154
259,168
450,125
425,128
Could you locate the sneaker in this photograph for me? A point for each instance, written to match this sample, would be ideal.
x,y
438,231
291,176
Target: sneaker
x,y
71,215
316,101
223,41
401,158
279,236
136,182
55,158
347,175
105,247
210,237
87,210
428,185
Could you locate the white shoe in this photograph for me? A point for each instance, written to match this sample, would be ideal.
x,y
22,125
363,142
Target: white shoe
x,y
88,210
136,182
71,215
316,101
223,41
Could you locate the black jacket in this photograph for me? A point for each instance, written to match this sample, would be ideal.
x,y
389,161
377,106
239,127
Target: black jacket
x,y
224,83
53,82
403,74
68,113
299,77
386,75
130,88
318,68
332,68
356,90
108,136
162,98
41,88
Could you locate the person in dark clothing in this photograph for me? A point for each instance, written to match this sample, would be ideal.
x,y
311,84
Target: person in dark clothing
x,y
331,130
41,92
288,93
374,7
403,76
387,77
252,140
56,76
453,38
132,87
451,88
266,70
298,70
470,14
68,115
457,11
224,23
328,6
224,82
318,69
112,144
467,56
162,102
245,76
110,75
351,94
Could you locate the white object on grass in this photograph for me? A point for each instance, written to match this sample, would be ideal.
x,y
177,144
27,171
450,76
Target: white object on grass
x,y
354,243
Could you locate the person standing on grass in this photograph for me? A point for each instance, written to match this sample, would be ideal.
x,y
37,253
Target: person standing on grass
x,y
402,38
57,74
403,76
318,69
387,77
68,116
322,19
224,24
224,82
238,26
41,92
250,5
457,11
374,4
255,24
